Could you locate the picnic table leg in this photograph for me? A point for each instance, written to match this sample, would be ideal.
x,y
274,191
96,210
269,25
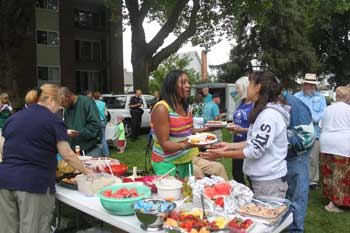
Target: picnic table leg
x,y
55,229
77,216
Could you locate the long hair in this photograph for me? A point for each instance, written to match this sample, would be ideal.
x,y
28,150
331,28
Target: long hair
x,y
270,91
168,91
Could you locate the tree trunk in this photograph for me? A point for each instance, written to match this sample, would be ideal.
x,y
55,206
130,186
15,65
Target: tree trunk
x,y
140,73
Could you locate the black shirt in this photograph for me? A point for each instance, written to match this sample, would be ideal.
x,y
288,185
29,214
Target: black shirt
x,y
136,100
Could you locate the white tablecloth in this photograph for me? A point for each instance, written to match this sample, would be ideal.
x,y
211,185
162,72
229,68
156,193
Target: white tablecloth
x,y
110,131
93,207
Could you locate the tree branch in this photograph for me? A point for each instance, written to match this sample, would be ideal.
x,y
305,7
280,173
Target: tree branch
x,y
133,8
173,47
144,9
167,28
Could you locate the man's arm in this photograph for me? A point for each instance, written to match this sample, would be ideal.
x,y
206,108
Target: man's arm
x,y
71,158
133,103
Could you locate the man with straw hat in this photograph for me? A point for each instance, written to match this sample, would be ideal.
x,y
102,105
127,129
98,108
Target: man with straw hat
x,y
316,102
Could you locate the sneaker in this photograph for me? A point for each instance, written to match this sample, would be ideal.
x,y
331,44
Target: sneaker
x,y
333,209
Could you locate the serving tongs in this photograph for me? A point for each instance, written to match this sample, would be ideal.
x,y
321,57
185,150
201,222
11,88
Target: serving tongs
x,y
203,206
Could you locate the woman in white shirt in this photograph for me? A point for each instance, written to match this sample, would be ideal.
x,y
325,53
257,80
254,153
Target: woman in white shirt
x,y
335,152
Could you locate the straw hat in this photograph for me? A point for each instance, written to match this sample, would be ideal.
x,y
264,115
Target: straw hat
x,y
310,78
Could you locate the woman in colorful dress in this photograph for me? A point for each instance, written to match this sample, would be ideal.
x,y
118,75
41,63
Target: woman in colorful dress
x,y
171,123
335,152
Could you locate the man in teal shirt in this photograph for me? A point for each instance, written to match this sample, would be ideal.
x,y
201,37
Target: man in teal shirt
x,y
316,102
211,110
212,113
82,117
207,96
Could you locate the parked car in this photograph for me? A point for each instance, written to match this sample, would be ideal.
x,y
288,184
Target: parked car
x,y
119,105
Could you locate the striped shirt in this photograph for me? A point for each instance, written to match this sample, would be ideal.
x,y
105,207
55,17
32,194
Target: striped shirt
x,y
179,128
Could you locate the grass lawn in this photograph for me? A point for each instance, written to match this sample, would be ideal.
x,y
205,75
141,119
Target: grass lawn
x,y
317,220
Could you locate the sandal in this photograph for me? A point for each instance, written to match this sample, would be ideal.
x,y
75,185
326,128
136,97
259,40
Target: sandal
x,y
333,209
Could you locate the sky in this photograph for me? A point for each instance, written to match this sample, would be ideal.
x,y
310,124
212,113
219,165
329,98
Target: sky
x,y
218,54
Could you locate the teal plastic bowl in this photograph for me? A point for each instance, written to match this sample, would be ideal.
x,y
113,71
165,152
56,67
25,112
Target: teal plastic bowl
x,y
122,206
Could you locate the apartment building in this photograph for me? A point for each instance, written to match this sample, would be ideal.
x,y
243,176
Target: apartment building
x,y
74,43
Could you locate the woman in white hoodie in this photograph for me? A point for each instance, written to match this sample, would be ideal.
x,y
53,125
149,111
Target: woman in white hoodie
x,y
266,147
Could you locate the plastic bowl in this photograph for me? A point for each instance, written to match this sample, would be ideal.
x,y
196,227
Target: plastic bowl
x,y
122,206
117,169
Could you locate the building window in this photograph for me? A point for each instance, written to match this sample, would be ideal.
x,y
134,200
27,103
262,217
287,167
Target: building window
x,y
85,51
88,50
48,38
96,51
47,73
41,37
90,80
88,19
47,4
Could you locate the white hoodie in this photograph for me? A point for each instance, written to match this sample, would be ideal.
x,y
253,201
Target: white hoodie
x,y
267,144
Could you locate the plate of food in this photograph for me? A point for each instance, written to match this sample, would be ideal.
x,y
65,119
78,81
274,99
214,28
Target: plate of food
x,y
231,125
70,183
216,124
266,208
202,139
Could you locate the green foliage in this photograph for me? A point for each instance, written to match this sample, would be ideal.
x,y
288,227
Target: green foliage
x,y
329,34
172,63
290,37
273,33
213,19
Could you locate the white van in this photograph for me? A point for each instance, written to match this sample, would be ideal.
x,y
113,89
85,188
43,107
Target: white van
x,y
228,103
119,105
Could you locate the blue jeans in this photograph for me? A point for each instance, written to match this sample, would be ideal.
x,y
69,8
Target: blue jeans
x,y
298,189
105,149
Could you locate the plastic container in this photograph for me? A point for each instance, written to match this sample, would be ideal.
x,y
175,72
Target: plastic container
x,y
146,180
169,189
122,206
91,184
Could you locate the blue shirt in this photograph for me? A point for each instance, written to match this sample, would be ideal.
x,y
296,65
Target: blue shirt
x,y
30,148
101,106
301,132
240,118
211,110
316,104
208,98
